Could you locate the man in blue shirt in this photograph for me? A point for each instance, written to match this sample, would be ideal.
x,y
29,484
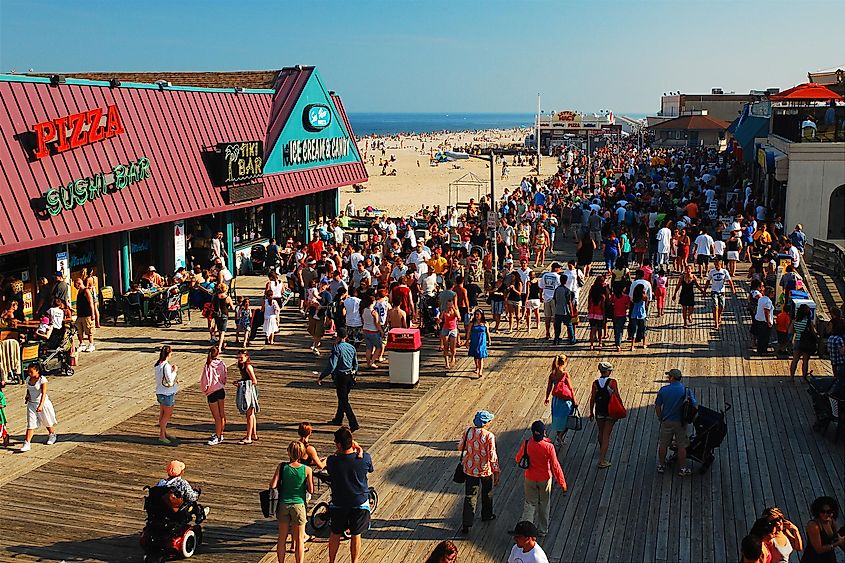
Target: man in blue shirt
x,y
342,366
350,507
669,409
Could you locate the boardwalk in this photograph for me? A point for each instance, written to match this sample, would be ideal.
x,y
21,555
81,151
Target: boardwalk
x,y
59,510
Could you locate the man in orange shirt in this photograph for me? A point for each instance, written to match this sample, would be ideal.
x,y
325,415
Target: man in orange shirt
x,y
692,210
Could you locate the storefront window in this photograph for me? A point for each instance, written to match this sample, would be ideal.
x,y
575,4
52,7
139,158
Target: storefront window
x,y
140,254
289,217
16,284
198,235
82,261
249,225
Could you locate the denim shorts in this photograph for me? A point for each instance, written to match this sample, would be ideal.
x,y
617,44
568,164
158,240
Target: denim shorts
x,y
166,400
373,339
449,333
498,307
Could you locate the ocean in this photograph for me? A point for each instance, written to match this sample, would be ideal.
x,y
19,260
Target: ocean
x,y
392,123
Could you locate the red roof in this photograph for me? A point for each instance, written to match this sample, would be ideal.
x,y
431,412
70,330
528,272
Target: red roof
x,y
807,92
693,123
173,128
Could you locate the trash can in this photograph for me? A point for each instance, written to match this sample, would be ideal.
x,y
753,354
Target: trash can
x,y
404,345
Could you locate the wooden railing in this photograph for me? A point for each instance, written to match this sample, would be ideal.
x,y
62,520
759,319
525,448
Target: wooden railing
x,y
830,257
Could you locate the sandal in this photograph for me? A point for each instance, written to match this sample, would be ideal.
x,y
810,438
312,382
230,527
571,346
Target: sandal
x,y
245,442
603,465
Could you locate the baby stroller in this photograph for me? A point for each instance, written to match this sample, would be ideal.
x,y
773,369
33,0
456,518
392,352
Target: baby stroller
x,y
54,356
826,404
709,431
258,255
165,308
170,531
429,314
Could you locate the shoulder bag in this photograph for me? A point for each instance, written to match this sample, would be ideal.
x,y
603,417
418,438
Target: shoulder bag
x,y
562,390
615,408
460,476
574,421
524,461
688,409
269,498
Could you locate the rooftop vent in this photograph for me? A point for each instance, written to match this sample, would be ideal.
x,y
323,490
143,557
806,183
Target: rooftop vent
x,y
716,91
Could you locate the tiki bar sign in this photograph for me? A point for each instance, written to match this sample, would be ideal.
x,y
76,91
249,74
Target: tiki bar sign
x,y
76,130
78,192
243,161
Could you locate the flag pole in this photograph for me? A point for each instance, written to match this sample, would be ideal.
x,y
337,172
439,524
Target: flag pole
x,y
538,134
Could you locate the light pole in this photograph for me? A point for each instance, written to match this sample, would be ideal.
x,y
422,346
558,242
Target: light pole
x,y
493,213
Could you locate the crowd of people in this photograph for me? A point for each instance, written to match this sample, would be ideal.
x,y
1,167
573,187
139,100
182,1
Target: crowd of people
x,y
666,223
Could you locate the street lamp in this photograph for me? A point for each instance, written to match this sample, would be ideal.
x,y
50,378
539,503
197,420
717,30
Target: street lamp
x,y
491,158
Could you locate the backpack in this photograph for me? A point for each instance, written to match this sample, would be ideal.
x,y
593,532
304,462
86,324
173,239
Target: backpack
x,y
688,408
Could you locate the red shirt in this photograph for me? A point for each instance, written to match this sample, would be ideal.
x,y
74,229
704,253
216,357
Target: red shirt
x,y
621,305
403,292
543,463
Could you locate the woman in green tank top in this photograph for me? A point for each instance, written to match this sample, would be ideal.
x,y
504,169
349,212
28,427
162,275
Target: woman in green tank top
x,y
294,480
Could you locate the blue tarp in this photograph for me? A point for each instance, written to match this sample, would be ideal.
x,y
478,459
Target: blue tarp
x,y
745,133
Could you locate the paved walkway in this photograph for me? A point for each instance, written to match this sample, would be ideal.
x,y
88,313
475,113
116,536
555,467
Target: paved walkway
x,y
55,507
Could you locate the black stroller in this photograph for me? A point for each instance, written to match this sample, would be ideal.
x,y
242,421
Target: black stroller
x,y
429,314
709,431
54,356
258,255
824,397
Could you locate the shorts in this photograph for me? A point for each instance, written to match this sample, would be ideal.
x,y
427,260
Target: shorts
x,y
449,333
718,299
532,304
497,307
166,400
671,429
221,322
316,327
597,323
514,304
783,339
465,317
733,255
356,520
218,395
84,326
292,514
373,340
549,309
702,259
3,432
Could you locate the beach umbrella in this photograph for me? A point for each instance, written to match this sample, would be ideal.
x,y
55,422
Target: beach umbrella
x,y
808,92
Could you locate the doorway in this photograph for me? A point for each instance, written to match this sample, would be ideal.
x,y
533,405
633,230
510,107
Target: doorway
x,y
836,215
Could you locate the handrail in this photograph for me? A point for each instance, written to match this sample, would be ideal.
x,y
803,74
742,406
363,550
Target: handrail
x,y
829,256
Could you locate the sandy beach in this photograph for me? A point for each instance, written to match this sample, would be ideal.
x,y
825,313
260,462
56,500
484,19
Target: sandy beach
x,y
418,183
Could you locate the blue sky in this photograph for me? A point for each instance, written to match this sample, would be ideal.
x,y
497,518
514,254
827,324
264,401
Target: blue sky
x,y
486,56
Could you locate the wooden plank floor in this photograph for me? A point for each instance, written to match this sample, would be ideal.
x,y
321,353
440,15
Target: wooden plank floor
x,y
60,509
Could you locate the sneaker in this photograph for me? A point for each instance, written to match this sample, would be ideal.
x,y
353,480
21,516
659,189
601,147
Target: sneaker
x,y
82,348
51,439
661,469
91,348
214,440
25,447
685,472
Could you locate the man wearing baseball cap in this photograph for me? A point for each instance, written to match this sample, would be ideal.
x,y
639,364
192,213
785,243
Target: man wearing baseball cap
x,y
669,408
526,549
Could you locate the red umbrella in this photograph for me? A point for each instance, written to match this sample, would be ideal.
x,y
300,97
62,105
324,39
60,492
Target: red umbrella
x,y
808,92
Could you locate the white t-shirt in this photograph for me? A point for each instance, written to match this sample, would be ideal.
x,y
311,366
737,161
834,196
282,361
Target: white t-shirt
x,y
571,281
523,275
549,281
354,258
719,247
646,288
536,555
762,304
419,258
702,244
353,311
164,372
664,240
795,255
717,279
57,317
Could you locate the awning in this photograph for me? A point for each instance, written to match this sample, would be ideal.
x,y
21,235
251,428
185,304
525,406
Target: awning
x,y
732,127
774,162
751,128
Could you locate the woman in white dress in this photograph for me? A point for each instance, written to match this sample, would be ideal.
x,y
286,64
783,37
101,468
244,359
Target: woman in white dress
x,y
271,311
39,409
